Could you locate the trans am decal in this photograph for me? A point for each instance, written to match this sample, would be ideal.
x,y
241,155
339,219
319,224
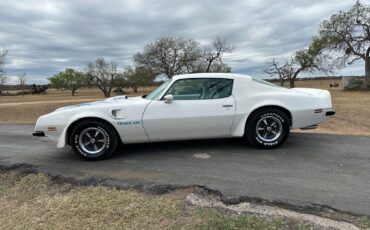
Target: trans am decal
x,y
135,122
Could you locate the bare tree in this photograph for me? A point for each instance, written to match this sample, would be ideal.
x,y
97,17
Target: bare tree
x,y
273,69
2,60
135,78
347,34
168,55
210,58
102,74
21,79
3,79
307,60
172,56
214,53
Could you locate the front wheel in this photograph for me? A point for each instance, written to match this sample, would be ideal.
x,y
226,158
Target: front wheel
x,y
93,140
268,128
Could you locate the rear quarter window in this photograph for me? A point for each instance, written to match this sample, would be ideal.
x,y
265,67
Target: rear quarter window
x,y
264,82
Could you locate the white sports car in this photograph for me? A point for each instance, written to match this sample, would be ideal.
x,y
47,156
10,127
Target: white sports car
x,y
192,106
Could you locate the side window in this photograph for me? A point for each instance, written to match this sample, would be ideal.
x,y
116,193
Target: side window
x,y
201,88
222,88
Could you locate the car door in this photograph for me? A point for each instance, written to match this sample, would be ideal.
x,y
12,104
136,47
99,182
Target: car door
x,y
200,108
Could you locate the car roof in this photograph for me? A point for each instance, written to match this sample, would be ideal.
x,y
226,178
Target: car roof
x,y
211,75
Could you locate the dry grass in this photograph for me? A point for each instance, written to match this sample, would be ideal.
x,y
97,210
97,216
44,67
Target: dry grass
x,y
353,108
34,202
26,109
352,114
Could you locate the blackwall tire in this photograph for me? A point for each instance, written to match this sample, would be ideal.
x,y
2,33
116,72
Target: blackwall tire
x,y
93,139
268,128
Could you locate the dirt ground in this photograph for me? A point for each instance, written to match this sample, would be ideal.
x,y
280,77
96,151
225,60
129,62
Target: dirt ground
x,y
26,109
352,108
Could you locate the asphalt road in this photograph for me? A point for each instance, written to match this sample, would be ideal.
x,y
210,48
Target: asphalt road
x,y
308,169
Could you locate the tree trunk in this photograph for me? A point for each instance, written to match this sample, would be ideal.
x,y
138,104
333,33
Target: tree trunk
x,y
292,78
110,91
208,66
282,82
106,93
73,92
367,72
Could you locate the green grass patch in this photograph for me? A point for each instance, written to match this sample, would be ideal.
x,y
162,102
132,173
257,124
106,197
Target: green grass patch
x,y
364,222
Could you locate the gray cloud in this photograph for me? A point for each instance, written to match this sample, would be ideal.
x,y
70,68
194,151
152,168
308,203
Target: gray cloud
x,y
44,37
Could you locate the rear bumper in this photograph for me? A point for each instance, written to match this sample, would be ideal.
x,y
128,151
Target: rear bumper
x,y
329,113
38,134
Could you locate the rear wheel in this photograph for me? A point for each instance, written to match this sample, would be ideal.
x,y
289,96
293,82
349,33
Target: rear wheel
x,y
93,139
268,128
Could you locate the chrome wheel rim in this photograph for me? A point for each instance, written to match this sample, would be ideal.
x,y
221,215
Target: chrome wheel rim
x,y
269,128
92,140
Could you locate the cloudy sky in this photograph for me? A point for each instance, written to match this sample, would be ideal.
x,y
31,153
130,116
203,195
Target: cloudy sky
x,y
44,37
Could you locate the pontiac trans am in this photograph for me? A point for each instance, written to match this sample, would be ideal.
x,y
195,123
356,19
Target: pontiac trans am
x,y
191,106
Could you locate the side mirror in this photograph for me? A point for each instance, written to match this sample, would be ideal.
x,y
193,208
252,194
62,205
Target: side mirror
x,y
168,98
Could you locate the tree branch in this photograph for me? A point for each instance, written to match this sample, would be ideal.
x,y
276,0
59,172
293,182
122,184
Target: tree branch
x,y
354,60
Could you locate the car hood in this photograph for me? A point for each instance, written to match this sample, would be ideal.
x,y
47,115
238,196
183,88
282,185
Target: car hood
x,y
112,101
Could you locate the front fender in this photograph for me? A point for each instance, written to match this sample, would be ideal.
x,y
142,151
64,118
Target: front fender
x,y
84,115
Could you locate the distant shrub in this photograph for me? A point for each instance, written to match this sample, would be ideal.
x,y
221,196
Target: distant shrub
x,y
355,84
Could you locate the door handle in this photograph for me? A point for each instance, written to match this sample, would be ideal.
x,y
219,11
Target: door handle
x,y
227,106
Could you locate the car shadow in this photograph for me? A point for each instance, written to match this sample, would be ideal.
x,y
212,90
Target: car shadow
x,y
227,145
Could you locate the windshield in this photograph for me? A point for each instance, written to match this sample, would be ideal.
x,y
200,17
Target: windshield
x,y
154,95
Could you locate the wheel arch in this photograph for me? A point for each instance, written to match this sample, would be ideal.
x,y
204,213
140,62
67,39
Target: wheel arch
x,y
70,127
283,109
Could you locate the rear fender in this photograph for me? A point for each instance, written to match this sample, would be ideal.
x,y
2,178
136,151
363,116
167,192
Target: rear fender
x,y
242,116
